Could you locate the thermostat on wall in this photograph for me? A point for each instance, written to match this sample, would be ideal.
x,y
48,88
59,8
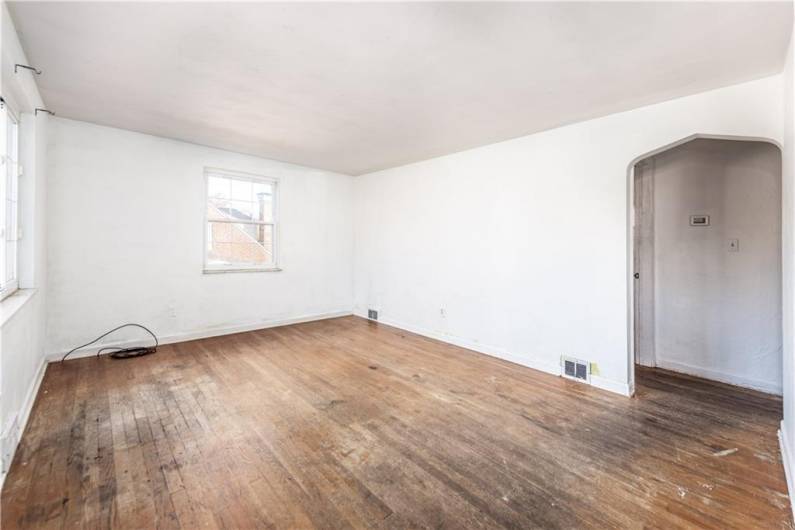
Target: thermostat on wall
x,y
699,220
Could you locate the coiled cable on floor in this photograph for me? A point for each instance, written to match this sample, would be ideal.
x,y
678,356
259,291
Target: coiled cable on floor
x,y
120,353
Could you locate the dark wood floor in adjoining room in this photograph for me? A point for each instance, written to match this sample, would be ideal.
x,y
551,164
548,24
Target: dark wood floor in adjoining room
x,y
343,423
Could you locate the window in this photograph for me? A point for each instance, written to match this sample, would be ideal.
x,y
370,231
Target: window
x,y
9,230
241,226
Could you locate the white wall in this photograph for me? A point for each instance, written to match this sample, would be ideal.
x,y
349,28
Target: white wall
x,y
126,227
787,432
524,244
22,316
717,314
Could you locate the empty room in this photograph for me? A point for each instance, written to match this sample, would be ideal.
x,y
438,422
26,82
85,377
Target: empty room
x,y
450,265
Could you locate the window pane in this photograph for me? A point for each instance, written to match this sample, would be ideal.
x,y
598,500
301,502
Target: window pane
x,y
233,210
4,272
238,200
8,202
241,190
11,262
263,194
218,188
13,182
13,221
239,244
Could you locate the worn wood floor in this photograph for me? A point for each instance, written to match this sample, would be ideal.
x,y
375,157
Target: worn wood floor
x,y
343,423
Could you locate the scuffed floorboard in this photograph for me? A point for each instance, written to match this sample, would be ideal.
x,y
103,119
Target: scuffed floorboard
x,y
344,423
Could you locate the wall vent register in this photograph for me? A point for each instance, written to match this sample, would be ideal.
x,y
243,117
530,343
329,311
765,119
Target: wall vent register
x,y
575,369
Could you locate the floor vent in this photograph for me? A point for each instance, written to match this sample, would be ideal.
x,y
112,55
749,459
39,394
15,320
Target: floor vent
x,y
372,314
575,369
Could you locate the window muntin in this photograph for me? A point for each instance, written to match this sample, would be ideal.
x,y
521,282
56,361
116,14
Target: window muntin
x,y
241,225
9,199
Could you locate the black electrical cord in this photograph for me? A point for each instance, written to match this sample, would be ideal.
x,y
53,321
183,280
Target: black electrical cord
x,y
120,353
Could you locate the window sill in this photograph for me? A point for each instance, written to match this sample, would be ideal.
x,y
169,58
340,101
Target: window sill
x,y
11,305
222,271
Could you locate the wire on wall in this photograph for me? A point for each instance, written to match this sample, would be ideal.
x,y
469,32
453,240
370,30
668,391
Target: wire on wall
x,y
120,353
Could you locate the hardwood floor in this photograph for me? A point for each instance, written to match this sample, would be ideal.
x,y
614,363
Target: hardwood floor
x,y
343,423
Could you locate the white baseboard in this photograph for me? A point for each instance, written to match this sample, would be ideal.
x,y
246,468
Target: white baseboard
x,y
706,373
214,331
500,353
30,397
23,415
787,461
611,386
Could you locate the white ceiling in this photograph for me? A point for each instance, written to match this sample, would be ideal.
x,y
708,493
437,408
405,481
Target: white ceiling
x,y
355,87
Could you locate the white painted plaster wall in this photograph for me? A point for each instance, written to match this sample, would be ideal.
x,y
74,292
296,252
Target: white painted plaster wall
x,y
787,432
524,244
126,218
22,316
717,314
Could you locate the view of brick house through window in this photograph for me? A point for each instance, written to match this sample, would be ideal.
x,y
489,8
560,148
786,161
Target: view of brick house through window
x,y
241,222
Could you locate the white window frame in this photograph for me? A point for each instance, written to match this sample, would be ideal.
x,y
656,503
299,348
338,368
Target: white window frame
x,y
7,289
275,224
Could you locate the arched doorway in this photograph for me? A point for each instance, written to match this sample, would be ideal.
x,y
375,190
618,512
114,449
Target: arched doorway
x,y
705,260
